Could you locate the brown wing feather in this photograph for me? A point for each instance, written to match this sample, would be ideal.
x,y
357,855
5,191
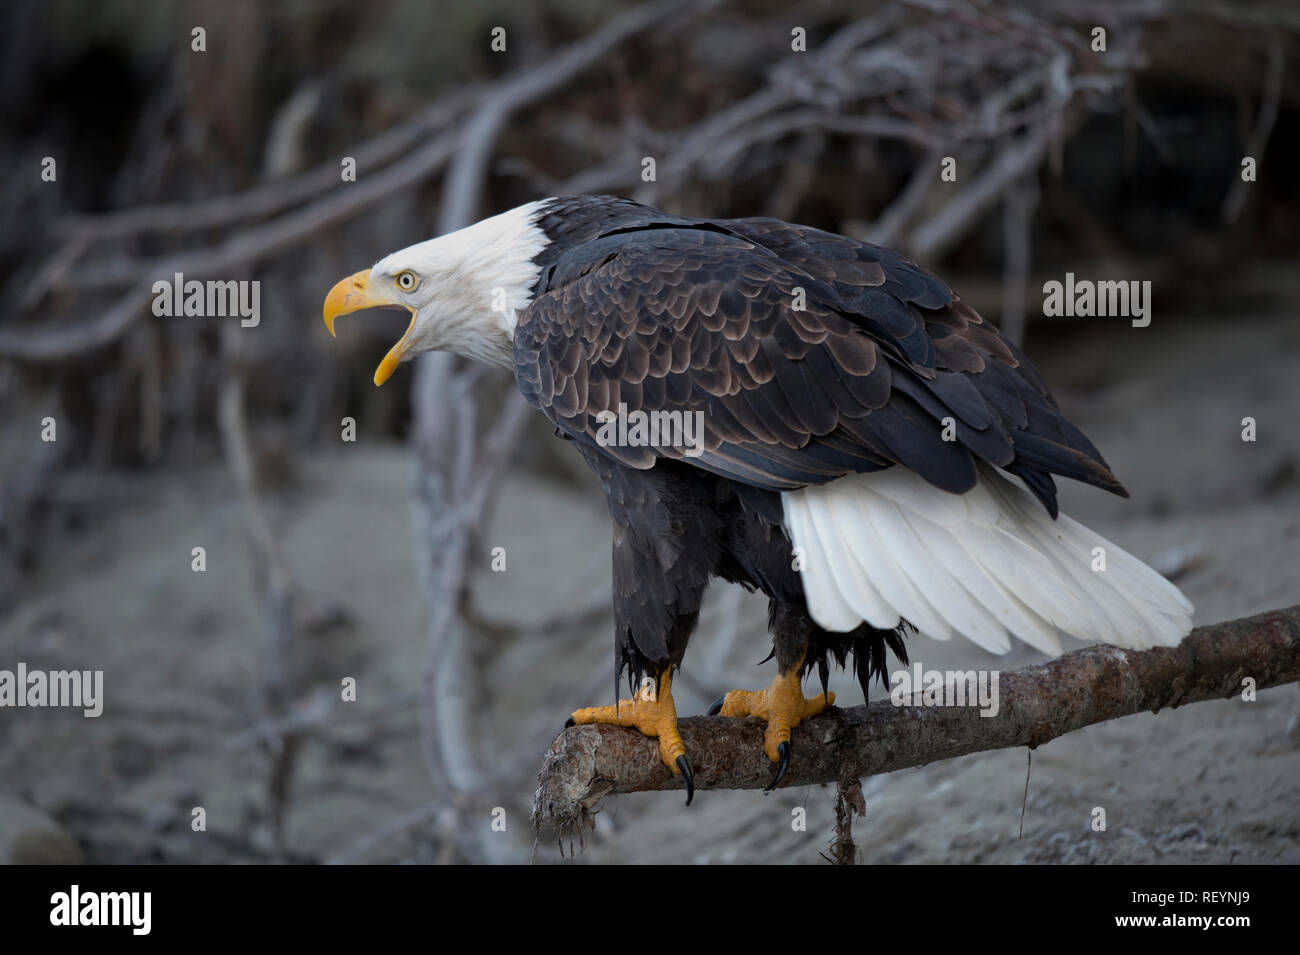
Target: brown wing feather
x,y
699,316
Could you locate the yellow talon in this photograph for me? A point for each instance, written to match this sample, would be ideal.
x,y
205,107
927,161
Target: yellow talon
x,y
656,716
782,704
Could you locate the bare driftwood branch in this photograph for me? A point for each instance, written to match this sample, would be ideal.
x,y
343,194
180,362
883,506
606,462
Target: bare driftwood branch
x,y
891,75
1259,135
270,198
465,178
953,221
288,229
1037,704
239,250
1017,237
274,580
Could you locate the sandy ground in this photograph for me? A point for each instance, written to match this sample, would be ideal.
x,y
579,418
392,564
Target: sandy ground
x,y
183,657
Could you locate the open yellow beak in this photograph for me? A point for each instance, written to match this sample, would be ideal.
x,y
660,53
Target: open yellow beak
x,y
354,294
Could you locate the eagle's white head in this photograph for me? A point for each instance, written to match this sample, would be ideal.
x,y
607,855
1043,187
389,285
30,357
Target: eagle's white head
x,y
464,290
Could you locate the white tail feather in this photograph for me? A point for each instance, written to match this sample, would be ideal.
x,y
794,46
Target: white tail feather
x,y
888,546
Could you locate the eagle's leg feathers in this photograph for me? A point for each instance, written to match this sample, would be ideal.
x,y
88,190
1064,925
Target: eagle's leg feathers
x,y
784,707
654,714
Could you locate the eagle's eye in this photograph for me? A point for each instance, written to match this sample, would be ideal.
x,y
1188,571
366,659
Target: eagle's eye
x,y
407,281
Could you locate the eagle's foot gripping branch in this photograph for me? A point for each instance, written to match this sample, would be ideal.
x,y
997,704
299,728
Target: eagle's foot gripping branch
x,y
655,715
784,707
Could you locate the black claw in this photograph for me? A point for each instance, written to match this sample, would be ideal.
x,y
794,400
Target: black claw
x,y
569,722
783,751
716,706
684,765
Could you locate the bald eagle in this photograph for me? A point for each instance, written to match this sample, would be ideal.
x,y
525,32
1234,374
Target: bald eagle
x,y
867,451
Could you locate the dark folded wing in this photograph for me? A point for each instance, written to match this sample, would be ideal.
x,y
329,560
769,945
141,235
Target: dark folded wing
x,y
806,355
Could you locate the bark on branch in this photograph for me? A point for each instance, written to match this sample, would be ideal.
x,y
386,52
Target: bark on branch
x,y
1037,704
